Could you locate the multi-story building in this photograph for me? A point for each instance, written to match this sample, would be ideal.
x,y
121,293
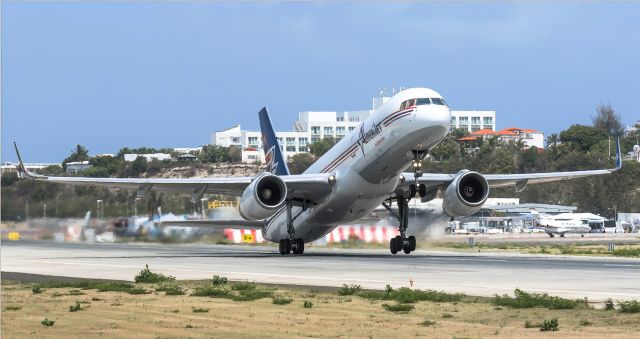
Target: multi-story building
x,y
313,126
529,137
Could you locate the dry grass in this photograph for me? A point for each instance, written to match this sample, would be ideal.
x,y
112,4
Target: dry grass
x,y
158,315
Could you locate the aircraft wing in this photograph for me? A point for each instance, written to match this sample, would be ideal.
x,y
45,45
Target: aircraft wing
x,y
520,181
312,187
216,224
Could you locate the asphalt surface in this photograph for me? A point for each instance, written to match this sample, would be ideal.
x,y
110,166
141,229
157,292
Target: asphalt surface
x,y
483,274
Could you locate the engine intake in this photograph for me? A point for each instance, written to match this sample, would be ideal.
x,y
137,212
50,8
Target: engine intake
x,y
263,197
466,194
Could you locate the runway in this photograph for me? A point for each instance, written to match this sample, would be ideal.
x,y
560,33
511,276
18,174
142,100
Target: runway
x,y
482,274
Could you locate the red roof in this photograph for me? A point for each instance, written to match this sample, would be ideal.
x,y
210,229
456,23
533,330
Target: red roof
x,y
530,131
485,131
468,139
507,131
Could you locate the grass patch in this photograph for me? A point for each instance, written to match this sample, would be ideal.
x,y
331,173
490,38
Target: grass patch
x,y
549,325
530,324
523,299
398,308
585,323
148,277
447,315
427,323
47,322
170,289
219,280
199,310
349,289
281,301
75,292
406,295
609,305
95,299
75,308
13,308
631,306
307,304
36,289
101,286
210,291
238,292
244,286
627,252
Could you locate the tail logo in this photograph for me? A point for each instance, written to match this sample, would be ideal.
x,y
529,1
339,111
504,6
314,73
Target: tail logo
x,y
269,160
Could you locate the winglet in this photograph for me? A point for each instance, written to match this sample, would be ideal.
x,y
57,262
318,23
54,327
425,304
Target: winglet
x,y
618,156
22,171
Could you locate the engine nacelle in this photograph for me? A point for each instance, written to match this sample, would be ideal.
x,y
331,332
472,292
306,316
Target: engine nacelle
x,y
263,197
466,194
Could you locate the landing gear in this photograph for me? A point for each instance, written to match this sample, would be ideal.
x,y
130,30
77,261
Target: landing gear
x,y
551,235
293,244
401,242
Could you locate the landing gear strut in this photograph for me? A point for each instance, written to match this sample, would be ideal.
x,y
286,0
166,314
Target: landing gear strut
x,y
401,242
293,244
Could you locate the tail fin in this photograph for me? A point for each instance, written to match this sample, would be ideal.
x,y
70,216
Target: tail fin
x,y
272,151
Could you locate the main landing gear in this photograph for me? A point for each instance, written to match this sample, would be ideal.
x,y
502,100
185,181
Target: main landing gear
x,y
293,244
402,242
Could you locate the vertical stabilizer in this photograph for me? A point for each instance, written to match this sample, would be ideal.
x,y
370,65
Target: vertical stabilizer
x,y
272,151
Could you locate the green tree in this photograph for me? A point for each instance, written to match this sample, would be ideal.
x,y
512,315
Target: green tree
x,y
80,153
234,153
318,148
582,138
607,120
300,162
213,154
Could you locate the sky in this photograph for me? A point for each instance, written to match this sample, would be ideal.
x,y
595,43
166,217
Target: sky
x,y
167,74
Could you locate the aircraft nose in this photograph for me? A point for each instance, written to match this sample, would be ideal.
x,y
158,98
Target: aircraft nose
x,y
434,115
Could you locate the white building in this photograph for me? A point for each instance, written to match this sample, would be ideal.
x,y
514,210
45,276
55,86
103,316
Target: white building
x,y
312,126
473,120
9,166
76,167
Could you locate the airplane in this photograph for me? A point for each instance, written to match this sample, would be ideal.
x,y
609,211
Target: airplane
x,y
362,171
563,223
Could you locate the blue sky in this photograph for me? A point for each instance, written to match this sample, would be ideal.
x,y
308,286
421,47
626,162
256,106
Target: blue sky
x,y
108,75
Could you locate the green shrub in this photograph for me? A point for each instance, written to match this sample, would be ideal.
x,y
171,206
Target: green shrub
x,y
407,295
199,310
631,306
428,322
307,304
75,308
528,300
243,286
170,289
95,299
218,280
627,252
146,276
609,305
549,325
447,315
398,308
138,290
210,291
251,295
281,301
585,323
529,324
76,292
349,289
47,322
13,308
36,289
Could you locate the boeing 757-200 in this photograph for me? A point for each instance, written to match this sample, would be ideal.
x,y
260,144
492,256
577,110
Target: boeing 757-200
x,y
363,170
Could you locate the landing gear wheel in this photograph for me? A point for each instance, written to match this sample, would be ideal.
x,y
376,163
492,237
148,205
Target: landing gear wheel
x,y
398,243
412,243
299,246
287,246
406,248
281,246
392,246
422,191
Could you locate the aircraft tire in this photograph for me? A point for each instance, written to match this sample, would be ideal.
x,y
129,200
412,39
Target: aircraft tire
x,y
392,246
412,191
412,243
300,246
287,246
398,243
422,191
281,246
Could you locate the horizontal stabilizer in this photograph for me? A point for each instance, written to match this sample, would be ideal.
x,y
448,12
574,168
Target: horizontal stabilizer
x,y
216,224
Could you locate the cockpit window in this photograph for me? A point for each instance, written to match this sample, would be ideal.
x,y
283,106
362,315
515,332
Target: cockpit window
x,y
410,102
437,101
404,104
423,101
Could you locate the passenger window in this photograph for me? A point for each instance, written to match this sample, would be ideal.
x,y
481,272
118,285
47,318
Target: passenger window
x,y
422,101
410,103
437,101
404,104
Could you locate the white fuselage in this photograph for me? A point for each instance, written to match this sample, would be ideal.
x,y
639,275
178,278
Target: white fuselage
x,y
562,224
367,164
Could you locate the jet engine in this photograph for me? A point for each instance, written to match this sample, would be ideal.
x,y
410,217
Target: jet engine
x,y
466,194
262,198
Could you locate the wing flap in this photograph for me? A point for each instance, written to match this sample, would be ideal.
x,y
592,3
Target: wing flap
x,y
216,224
